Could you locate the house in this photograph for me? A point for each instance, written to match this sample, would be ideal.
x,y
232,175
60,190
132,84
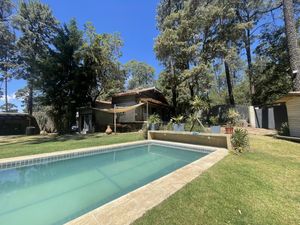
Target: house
x,y
154,103
131,108
292,101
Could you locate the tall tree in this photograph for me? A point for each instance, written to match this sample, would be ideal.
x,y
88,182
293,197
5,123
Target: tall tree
x,y
7,46
292,40
37,26
140,74
271,68
61,82
100,62
251,12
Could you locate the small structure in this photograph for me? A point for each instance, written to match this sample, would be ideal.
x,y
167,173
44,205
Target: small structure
x,y
16,123
127,111
153,102
94,119
292,101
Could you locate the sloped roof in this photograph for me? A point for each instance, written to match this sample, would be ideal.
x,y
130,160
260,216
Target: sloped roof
x,y
136,91
289,96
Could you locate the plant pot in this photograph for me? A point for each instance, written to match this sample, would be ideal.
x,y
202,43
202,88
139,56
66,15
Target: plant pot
x,y
228,130
215,129
153,126
178,127
108,130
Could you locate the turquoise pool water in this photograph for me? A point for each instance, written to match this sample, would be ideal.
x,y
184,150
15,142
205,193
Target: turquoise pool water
x,y
57,192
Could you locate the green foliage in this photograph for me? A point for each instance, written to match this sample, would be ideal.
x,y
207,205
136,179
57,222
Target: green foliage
x,y
232,116
284,129
99,55
177,119
140,74
214,120
271,70
154,118
37,27
240,140
10,108
62,67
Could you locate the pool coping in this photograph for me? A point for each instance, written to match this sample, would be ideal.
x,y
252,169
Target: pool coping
x,y
129,207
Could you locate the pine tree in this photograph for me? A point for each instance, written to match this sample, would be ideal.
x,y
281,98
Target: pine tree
x,y
292,40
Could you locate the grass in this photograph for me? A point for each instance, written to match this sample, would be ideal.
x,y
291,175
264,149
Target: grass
x,y
258,187
12,146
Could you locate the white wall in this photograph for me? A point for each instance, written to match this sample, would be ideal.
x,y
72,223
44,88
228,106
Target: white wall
x,y
293,109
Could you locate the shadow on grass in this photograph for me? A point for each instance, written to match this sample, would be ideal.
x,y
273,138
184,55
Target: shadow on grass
x,y
52,139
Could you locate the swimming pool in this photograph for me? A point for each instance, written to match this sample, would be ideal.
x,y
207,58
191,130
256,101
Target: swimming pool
x,y
59,191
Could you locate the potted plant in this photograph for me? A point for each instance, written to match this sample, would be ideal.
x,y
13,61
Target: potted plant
x,y
215,127
232,119
177,123
154,121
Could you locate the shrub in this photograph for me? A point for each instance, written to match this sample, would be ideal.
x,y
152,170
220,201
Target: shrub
x,y
284,129
232,116
177,120
240,140
214,120
154,118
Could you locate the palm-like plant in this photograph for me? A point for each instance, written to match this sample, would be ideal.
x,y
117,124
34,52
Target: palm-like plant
x,y
198,106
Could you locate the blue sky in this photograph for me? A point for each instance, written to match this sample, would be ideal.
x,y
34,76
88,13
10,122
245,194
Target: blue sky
x,y
133,19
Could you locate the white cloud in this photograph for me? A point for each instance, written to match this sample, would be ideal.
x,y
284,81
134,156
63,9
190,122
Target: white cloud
x,y
10,97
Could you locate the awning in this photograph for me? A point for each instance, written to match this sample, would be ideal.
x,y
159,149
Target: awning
x,y
120,109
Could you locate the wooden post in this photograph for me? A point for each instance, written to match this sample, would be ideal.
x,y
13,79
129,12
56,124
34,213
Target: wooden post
x,y
147,110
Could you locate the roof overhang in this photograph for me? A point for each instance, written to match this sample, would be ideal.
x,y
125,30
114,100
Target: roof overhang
x,y
154,101
288,97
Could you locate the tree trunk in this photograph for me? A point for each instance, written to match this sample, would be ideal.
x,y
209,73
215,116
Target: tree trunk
x,y
249,62
229,84
174,89
30,99
292,40
5,93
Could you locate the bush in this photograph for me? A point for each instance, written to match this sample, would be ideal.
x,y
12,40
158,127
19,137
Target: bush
x,y
284,130
240,140
154,118
214,121
177,120
232,117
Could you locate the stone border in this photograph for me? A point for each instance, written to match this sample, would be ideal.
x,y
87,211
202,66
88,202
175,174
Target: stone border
x,y
22,161
127,208
196,138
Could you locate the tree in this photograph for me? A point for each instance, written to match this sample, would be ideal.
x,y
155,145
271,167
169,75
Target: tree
x,y
79,67
292,42
62,84
140,74
9,108
37,27
271,68
251,13
100,54
7,46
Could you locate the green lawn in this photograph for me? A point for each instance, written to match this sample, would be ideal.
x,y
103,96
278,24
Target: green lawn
x,y
12,146
259,187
